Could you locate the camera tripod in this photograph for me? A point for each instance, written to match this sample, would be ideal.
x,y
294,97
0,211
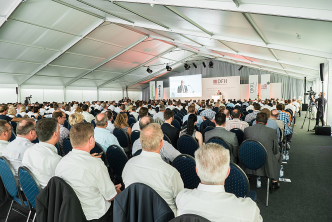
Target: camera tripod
x,y
309,110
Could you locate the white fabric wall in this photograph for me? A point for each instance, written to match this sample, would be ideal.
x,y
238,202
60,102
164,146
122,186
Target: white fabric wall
x,y
8,93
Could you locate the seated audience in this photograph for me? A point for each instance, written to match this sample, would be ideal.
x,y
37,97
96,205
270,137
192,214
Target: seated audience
x,y
208,113
102,135
251,116
236,122
5,134
274,116
87,175
134,113
168,153
64,132
191,131
151,111
141,113
268,138
11,112
110,125
121,122
36,111
270,122
86,115
3,114
15,150
209,199
42,158
283,116
220,131
150,169
160,114
191,110
169,129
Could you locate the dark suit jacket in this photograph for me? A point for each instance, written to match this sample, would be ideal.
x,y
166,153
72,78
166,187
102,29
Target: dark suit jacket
x,y
229,137
180,88
171,132
268,138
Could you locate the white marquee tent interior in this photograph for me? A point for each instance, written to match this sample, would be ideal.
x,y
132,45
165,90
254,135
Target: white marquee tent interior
x,y
64,50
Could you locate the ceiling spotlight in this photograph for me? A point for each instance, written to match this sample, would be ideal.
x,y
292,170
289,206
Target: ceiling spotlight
x,y
149,70
186,66
240,68
210,64
204,64
195,65
168,68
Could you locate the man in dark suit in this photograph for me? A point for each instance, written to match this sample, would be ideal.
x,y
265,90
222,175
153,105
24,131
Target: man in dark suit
x,y
268,138
218,93
182,88
168,129
220,131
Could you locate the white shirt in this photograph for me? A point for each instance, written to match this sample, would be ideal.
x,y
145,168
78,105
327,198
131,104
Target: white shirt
x,y
136,127
152,112
216,205
297,106
87,116
3,145
89,178
111,107
134,114
291,107
15,150
41,159
150,169
250,107
110,126
159,115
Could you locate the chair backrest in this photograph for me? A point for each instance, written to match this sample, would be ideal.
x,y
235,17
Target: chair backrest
x,y
187,145
117,159
251,122
99,149
166,138
250,111
175,111
178,119
157,109
138,152
131,120
186,166
58,149
219,141
66,124
180,115
208,128
29,184
290,112
122,137
239,134
10,181
67,146
252,154
93,123
176,124
134,136
189,217
237,182
12,137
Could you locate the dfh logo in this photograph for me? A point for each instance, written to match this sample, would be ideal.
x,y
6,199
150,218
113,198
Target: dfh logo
x,y
219,81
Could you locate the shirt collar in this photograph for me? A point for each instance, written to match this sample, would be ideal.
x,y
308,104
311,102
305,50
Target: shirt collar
x,y
50,146
22,138
4,142
151,154
211,188
101,129
80,152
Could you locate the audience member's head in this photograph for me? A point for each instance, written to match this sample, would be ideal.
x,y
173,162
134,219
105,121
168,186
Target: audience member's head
x,y
36,109
101,120
191,109
75,118
48,130
220,119
26,128
123,107
274,114
5,130
12,111
267,112
85,108
212,164
121,120
227,113
59,116
257,107
151,138
191,122
146,120
109,115
169,115
261,118
236,114
221,109
143,112
279,106
78,110
82,136
161,108
4,109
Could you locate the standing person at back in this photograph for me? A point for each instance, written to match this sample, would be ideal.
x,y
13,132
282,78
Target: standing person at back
x,y
209,199
150,169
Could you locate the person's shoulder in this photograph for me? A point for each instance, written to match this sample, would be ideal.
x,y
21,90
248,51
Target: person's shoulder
x,y
183,193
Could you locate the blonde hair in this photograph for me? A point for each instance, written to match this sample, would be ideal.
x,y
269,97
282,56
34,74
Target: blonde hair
x,y
78,110
121,120
23,109
75,118
150,137
80,134
212,162
11,110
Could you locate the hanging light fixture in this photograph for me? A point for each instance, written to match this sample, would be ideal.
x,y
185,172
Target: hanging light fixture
x,y
195,65
210,64
204,64
168,68
186,66
149,70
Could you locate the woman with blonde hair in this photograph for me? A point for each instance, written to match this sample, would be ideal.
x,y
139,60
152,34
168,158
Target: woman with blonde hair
x,y
78,110
75,118
121,122
11,111
22,110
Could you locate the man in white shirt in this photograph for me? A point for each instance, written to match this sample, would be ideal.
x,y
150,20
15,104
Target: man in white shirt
x,y
160,114
236,122
210,200
15,150
289,105
110,126
42,158
150,169
87,175
133,112
64,132
86,115
142,112
102,135
151,111
5,134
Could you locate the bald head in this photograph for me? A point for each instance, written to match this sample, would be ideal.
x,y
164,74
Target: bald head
x,y
151,138
101,120
274,114
226,112
146,120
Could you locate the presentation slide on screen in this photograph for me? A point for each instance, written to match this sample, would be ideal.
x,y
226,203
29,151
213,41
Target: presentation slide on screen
x,y
185,86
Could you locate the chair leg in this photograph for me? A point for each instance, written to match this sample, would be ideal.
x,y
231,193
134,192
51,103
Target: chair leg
x,y
10,208
34,217
267,192
29,216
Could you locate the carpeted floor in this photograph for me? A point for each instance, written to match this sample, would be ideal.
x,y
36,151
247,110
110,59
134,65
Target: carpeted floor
x,y
307,198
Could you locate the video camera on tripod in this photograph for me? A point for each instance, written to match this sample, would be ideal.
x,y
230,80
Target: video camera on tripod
x,y
310,93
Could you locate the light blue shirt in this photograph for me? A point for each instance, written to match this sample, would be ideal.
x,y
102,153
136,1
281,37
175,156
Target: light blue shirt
x,y
105,138
199,120
230,105
117,110
273,125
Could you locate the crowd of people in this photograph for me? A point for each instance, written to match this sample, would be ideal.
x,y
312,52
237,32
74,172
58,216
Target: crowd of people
x,y
266,121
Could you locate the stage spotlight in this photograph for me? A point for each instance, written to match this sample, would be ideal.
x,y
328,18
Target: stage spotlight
x,y
195,65
168,68
240,68
149,70
204,64
210,64
186,66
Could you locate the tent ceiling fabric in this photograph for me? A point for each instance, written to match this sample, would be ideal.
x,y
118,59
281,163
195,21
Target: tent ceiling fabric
x,y
104,44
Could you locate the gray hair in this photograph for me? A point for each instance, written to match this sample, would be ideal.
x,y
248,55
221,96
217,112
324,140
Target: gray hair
x,y
146,120
151,136
3,127
24,126
102,121
212,162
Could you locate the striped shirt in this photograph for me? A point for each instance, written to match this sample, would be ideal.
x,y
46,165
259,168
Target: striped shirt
x,y
285,118
236,123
